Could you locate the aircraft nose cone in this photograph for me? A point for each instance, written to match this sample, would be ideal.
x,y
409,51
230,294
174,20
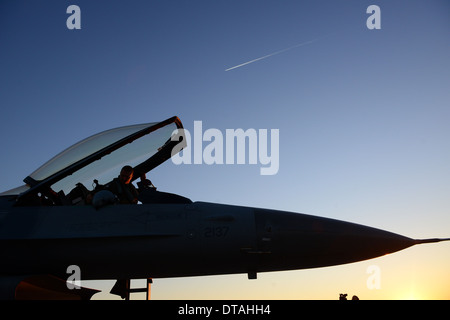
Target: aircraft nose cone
x,y
305,241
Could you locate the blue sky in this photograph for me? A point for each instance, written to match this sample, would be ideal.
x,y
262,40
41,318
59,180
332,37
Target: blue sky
x,y
363,114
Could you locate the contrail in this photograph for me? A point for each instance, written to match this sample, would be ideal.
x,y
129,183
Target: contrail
x,y
272,54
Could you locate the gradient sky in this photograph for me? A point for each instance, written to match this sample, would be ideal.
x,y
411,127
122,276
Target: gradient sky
x,y
363,116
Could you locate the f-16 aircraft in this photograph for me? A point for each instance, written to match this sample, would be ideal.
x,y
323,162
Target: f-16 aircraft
x,y
56,221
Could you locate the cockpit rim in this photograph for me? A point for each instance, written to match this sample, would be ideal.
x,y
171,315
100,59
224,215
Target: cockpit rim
x,y
164,153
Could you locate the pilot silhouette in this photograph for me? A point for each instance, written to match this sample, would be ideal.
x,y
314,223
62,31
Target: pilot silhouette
x,y
123,188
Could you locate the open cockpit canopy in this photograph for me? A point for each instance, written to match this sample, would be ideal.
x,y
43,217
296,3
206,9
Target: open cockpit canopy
x,y
101,156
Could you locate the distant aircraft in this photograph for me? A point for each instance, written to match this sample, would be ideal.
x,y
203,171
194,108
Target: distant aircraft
x,y
54,221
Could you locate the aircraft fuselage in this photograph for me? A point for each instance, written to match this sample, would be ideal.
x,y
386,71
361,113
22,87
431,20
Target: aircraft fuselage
x,y
176,240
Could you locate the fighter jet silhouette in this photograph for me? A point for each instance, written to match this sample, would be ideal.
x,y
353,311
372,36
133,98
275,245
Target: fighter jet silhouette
x,y
56,221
